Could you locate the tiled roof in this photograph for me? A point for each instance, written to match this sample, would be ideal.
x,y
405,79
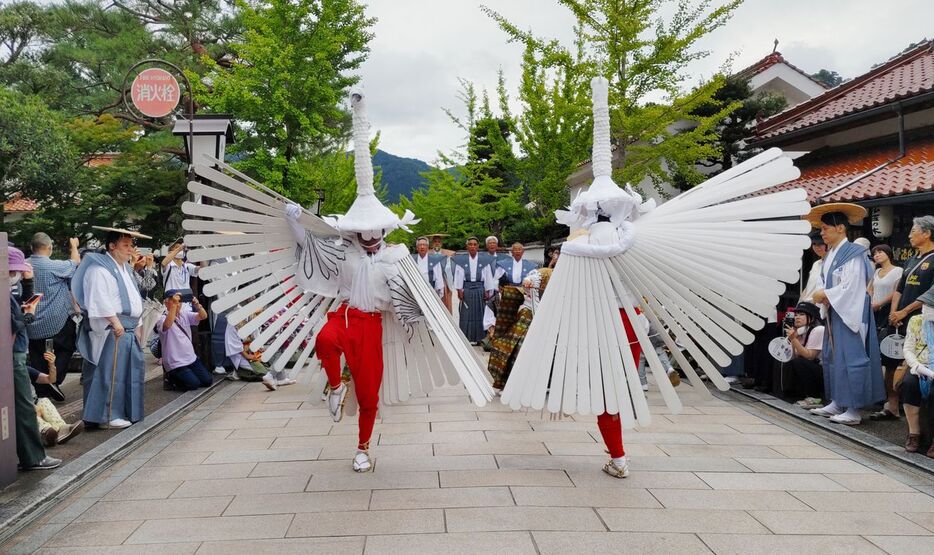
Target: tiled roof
x,y
904,76
19,204
912,174
769,61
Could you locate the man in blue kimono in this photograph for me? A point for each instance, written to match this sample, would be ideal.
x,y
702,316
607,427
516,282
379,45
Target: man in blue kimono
x,y
113,373
431,265
513,270
850,357
474,283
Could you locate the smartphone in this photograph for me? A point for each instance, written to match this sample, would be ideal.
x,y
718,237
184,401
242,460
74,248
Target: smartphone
x,y
50,345
144,251
33,300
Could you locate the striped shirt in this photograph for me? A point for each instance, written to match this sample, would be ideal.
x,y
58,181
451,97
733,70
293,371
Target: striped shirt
x,y
52,279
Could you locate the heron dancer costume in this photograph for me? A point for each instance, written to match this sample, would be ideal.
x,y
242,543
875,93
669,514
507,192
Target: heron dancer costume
x,y
334,285
707,265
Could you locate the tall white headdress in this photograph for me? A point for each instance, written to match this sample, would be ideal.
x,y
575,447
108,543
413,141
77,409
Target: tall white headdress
x,y
367,214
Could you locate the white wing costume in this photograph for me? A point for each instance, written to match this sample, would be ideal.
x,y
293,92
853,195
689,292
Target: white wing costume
x,y
707,266
276,276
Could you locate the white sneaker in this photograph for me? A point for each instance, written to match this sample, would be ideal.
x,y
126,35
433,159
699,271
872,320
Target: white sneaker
x,y
120,423
270,382
336,402
731,379
220,370
616,471
645,387
362,462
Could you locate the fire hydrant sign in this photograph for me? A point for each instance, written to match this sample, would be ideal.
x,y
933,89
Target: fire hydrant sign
x,y
155,92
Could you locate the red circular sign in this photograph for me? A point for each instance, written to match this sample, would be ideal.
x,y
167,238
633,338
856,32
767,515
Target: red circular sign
x,y
155,92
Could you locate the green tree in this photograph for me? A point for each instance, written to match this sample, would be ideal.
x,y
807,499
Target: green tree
x,y
645,57
37,160
287,80
827,77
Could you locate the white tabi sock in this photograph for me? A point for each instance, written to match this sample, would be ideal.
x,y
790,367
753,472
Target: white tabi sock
x,y
833,407
851,414
620,462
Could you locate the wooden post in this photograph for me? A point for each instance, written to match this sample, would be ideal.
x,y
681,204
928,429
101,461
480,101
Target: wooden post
x,y
8,458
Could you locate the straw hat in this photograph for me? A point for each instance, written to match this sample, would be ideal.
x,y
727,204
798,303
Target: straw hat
x,y
135,234
854,213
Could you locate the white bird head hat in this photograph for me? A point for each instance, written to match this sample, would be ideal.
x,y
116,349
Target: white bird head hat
x,y
367,216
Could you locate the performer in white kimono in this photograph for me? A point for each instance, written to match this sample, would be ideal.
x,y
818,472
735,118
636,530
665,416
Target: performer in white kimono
x,y
705,265
431,265
334,286
114,371
850,357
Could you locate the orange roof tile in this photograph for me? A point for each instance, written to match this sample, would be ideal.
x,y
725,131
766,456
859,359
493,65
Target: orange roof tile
x,y
19,204
912,174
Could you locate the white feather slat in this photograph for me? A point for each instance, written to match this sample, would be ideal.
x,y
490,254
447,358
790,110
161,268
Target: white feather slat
x,y
241,295
234,200
218,226
215,271
219,240
283,326
228,214
222,285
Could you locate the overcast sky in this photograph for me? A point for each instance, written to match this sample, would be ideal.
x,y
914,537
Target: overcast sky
x,y
422,46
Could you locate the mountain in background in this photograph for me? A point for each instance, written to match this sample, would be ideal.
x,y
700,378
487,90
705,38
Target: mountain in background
x,y
400,175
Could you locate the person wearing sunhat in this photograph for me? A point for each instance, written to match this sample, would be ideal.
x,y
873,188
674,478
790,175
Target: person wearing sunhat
x,y
915,390
114,371
29,448
850,356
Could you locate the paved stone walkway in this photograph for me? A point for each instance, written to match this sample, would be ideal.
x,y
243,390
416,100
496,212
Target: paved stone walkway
x,y
251,471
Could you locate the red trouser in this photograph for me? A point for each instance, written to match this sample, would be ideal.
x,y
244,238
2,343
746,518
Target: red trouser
x,y
358,336
610,427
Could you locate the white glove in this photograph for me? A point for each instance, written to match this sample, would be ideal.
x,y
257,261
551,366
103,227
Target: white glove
x,y
922,370
293,211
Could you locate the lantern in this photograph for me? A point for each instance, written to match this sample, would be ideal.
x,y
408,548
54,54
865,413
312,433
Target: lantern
x,y
882,221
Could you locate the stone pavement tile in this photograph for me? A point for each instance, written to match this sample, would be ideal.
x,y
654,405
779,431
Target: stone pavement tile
x,y
658,426
491,448
219,445
767,482
441,498
203,435
299,468
658,438
597,449
538,462
112,511
238,422
807,466
66,514
720,409
430,417
503,477
238,486
193,472
728,419
841,523
870,482
103,485
391,428
303,414
595,477
680,520
367,523
562,543
720,499
290,546
563,425
293,396
209,529
727,451
255,406
867,501
302,442
349,480
346,451
579,436
133,490
178,459
93,533
495,519
731,544
525,416
752,439
688,464
806,452
430,437
925,519
503,543
163,549
288,503
269,455
758,429
583,497
396,410
481,425
463,462
904,545
288,431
